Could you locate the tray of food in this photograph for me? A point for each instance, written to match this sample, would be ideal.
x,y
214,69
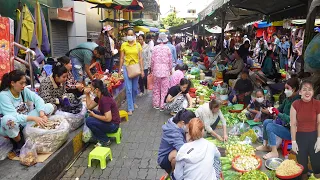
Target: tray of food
x,y
289,169
246,163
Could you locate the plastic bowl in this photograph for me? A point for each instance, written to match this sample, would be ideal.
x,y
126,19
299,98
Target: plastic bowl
x,y
275,161
292,176
238,107
239,170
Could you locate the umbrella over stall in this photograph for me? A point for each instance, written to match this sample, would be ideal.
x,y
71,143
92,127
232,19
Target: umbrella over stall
x,y
126,5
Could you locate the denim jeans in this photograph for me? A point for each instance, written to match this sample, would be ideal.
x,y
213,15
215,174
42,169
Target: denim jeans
x,y
271,130
283,61
77,69
109,63
101,128
131,89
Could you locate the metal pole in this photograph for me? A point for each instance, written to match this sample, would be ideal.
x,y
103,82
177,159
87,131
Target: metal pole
x,y
223,17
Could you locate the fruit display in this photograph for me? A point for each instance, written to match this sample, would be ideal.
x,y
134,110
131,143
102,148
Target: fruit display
x,y
239,150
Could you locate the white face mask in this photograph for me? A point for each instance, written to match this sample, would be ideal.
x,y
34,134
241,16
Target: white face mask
x,y
130,38
260,100
288,92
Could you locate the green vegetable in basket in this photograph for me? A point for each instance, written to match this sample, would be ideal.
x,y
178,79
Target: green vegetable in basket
x,y
313,178
254,175
226,167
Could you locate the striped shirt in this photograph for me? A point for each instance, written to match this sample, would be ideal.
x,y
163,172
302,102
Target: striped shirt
x,y
84,55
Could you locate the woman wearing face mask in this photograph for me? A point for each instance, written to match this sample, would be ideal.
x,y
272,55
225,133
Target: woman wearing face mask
x,y
52,88
14,110
211,114
107,119
178,97
282,127
242,89
305,129
131,53
258,107
194,158
161,67
173,137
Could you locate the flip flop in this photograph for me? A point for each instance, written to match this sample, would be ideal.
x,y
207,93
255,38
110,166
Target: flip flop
x,y
268,157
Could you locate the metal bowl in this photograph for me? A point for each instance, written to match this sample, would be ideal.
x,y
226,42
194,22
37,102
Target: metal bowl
x,y
273,163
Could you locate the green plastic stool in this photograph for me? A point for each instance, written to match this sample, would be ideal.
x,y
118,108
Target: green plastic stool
x,y
276,97
116,135
101,154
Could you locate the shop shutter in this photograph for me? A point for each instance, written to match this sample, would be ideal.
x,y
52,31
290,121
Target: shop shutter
x,y
59,41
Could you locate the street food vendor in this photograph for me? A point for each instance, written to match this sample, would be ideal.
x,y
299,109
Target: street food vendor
x,y
15,113
211,114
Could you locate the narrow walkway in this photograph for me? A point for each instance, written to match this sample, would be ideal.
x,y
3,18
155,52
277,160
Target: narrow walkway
x,y
136,156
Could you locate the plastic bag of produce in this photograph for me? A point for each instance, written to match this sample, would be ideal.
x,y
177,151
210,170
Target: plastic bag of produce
x,y
5,147
195,71
28,154
51,137
75,120
86,134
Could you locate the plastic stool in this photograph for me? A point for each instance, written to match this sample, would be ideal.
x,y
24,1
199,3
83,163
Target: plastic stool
x,y
48,69
101,154
286,144
124,114
116,135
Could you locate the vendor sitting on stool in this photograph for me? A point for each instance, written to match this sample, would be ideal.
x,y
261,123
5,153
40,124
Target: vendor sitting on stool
x,y
242,89
237,67
211,114
14,110
107,119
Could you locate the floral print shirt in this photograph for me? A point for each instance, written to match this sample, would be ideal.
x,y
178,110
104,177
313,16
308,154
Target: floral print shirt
x,y
146,55
161,61
71,82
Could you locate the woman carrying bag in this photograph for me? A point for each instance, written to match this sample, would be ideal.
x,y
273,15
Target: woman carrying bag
x,y
132,67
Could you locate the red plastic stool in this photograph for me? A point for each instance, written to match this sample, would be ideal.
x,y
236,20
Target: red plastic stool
x,y
286,144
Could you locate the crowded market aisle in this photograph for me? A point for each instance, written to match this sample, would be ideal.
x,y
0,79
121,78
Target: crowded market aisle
x,y
136,156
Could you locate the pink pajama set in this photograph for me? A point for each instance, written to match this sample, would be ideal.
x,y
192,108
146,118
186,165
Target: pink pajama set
x,y
161,67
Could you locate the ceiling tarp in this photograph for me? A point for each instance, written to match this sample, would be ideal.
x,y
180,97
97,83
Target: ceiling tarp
x,y
126,5
181,28
214,30
236,16
211,8
275,9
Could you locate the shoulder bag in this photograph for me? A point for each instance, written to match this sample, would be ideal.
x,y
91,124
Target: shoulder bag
x,y
134,70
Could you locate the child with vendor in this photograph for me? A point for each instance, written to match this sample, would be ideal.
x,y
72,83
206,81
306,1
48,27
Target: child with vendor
x,y
258,107
281,127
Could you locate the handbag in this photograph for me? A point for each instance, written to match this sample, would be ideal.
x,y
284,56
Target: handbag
x,y
134,70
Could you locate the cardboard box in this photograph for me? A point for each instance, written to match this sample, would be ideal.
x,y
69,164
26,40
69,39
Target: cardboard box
x,y
6,45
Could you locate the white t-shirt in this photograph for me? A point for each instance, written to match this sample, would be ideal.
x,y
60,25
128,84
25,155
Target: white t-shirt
x,y
205,114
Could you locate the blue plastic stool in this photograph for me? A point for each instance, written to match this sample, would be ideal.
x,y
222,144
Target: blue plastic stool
x,y
48,69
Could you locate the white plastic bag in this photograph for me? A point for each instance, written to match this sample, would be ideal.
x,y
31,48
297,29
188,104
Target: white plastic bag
x,y
28,154
48,140
75,120
86,134
5,147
